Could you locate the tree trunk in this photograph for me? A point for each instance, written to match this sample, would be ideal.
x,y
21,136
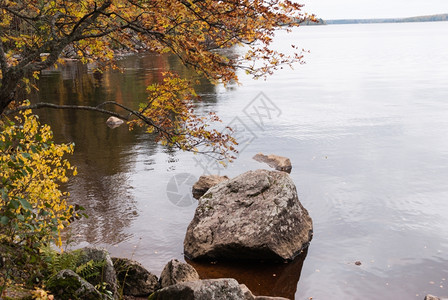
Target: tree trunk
x,y
8,88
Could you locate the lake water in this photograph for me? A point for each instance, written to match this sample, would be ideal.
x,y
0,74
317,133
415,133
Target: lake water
x,y
364,122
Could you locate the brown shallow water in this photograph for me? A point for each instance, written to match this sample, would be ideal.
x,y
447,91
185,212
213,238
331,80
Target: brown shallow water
x,y
262,278
364,122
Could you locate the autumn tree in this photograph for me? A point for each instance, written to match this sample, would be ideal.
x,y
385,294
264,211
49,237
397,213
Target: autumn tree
x,y
36,34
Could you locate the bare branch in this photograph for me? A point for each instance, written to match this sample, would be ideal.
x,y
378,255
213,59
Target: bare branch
x,y
95,109
70,107
191,148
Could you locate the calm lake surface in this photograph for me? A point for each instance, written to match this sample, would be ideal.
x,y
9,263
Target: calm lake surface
x,y
364,122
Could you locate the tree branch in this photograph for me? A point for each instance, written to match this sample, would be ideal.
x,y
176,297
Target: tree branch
x,y
97,108
191,148
70,107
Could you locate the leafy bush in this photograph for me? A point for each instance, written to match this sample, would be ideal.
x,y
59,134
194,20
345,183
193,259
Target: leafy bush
x,y
33,209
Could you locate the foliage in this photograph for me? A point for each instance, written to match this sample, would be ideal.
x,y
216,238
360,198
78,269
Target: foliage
x,y
91,271
169,107
51,263
34,34
40,294
33,210
55,262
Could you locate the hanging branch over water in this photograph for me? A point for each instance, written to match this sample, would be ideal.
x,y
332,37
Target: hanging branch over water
x,y
35,34
169,114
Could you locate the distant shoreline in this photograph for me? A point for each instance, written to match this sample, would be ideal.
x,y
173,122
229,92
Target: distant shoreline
x,y
429,18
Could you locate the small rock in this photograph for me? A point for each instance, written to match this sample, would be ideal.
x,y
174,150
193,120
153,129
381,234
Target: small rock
x,y
247,293
107,274
209,289
358,263
114,122
69,285
280,163
269,298
134,278
204,183
177,272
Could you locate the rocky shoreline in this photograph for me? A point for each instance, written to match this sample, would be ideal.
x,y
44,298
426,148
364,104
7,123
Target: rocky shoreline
x,y
128,279
252,217
256,216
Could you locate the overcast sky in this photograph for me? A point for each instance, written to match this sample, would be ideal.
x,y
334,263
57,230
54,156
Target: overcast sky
x,y
354,9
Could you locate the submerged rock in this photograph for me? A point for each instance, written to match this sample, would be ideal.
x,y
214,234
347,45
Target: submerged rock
x,y
134,278
280,163
114,122
204,183
209,289
256,215
177,272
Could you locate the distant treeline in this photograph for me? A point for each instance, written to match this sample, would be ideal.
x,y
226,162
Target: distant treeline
x,y
431,18
308,21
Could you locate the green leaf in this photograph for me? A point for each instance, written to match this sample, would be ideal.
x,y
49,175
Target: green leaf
x,y
4,194
4,220
25,204
30,171
44,213
14,204
31,227
26,155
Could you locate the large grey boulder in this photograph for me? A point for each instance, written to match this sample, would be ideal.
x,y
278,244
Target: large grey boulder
x,y
107,274
177,272
66,284
256,215
280,163
209,289
134,279
204,183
